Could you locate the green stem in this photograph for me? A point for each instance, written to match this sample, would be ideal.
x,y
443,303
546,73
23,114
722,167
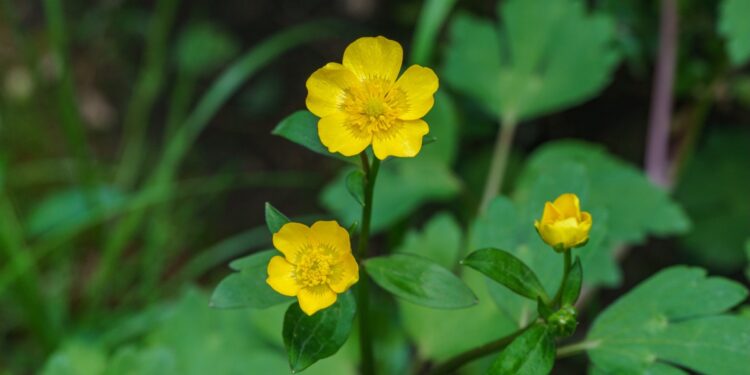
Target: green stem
x,y
576,348
459,360
363,297
499,162
567,262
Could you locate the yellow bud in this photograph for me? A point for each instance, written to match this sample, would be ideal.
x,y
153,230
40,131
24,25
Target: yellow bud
x,y
563,225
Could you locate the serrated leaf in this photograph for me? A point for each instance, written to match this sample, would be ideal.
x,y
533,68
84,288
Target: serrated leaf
x,y
309,339
274,218
713,189
506,269
401,187
677,316
355,184
531,353
301,127
420,281
533,64
248,287
573,284
734,26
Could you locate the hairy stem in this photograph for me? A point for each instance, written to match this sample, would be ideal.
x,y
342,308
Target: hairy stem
x,y
657,150
363,297
500,153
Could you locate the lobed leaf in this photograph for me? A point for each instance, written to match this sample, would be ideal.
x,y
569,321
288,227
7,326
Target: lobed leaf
x,y
309,339
735,28
420,281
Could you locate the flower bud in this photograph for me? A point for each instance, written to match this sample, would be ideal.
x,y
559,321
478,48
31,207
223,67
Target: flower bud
x,y
563,322
563,225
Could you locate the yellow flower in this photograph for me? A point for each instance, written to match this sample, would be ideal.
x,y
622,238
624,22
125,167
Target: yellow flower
x,y
316,266
563,225
361,101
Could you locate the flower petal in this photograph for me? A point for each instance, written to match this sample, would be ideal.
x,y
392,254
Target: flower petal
x,y
331,233
311,300
281,276
418,84
344,274
327,87
338,137
550,214
376,57
404,139
291,239
568,205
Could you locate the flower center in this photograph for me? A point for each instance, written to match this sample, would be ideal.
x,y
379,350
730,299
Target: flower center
x,y
314,266
373,106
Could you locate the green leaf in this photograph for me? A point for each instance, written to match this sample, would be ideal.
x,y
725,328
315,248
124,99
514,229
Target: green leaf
x,y
675,318
65,209
309,339
76,358
402,186
355,184
532,353
204,47
747,254
506,269
420,281
443,120
301,127
431,19
735,28
573,284
274,218
713,189
440,240
248,287
546,56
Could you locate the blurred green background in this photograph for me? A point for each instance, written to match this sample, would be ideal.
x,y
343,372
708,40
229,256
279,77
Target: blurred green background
x,y
136,155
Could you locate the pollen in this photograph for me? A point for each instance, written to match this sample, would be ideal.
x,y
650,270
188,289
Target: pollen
x,y
373,107
314,268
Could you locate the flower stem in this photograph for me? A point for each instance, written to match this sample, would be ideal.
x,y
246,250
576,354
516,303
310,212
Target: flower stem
x,y
567,261
363,298
500,153
576,348
459,360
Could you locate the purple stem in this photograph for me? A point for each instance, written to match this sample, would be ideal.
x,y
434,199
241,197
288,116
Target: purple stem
x,y
657,151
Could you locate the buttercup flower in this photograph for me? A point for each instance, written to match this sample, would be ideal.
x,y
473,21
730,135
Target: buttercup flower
x,y
361,101
563,225
317,264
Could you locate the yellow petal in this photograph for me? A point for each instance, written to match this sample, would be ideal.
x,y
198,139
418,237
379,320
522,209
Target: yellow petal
x,y
403,139
338,137
344,274
376,57
418,84
332,234
569,205
291,239
326,88
311,300
550,214
281,276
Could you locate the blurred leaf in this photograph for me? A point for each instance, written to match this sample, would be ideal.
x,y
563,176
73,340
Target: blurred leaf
x,y
440,240
355,184
573,284
66,209
713,188
734,26
301,127
147,361
673,318
310,338
624,205
532,353
76,358
420,281
401,187
274,218
507,270
203,47
431,19
248,287
443,120
547,56
747,254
